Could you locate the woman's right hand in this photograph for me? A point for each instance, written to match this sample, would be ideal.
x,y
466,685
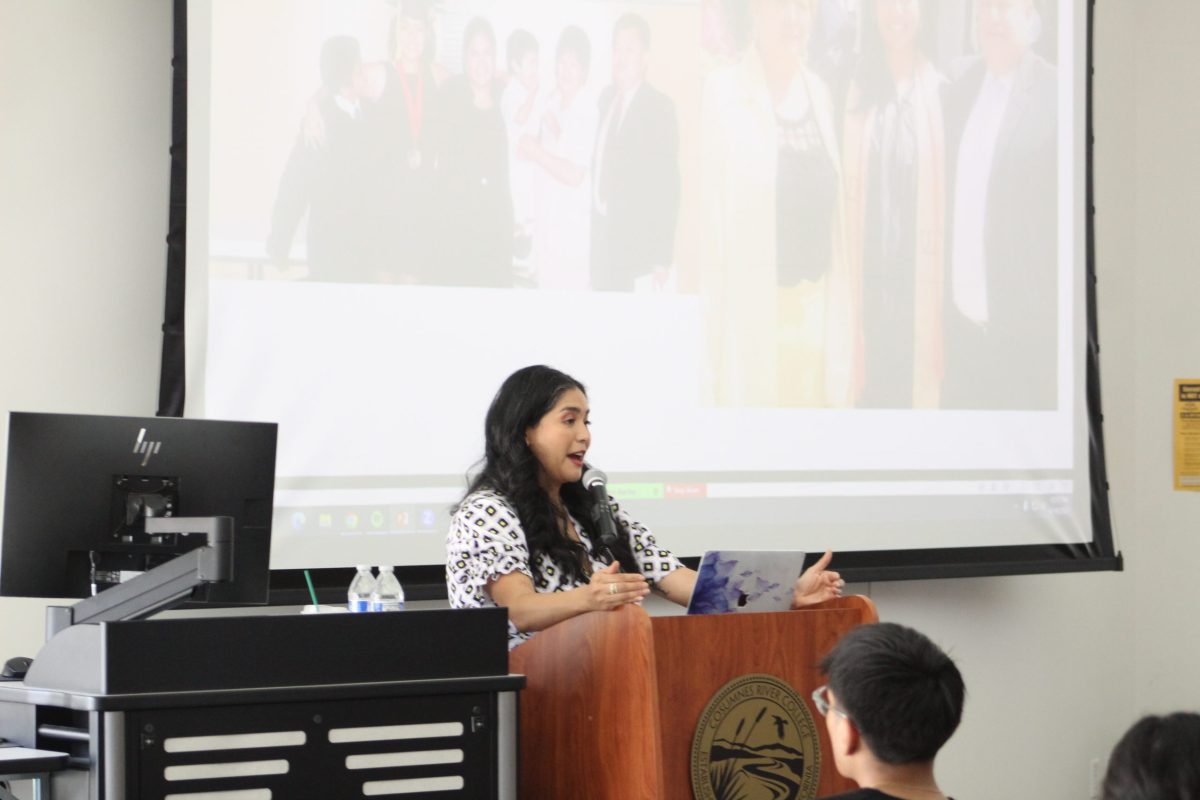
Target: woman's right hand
x,y
609,588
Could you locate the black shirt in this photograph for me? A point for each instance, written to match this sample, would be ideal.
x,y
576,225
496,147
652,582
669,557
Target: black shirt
x,y
865,794
805,195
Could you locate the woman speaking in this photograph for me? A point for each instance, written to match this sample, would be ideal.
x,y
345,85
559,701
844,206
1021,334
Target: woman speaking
x,y
518,539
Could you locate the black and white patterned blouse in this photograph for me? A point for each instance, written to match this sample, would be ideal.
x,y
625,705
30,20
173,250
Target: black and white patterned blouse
x,y
486,541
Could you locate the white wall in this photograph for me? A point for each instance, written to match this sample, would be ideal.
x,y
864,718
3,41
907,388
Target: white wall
x,y
1165,530
1057,666
85,90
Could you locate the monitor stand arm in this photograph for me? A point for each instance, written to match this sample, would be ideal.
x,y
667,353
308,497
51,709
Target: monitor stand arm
x,y
163,587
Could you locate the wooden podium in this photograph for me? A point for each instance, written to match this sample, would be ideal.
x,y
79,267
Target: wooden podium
x,y
613,699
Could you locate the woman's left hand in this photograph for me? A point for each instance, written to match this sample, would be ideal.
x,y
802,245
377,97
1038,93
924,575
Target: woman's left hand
x,y
817,584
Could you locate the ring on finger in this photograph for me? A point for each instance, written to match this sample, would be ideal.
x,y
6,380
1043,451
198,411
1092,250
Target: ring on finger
x,y
612,588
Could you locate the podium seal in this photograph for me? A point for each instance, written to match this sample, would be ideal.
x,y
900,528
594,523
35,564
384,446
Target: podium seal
x,y
756,740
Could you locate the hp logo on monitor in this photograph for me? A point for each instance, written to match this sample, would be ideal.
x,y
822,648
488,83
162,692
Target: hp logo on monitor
x,y
143,445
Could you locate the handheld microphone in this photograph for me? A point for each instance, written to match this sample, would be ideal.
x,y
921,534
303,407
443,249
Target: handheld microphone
x,y
596,482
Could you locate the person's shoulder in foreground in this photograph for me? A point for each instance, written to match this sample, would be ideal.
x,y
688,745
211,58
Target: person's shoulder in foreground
x,y
892,700
866,794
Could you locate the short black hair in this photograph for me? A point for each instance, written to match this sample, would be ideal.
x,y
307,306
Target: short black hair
x,y
1157,759
574,40
899,689
520,44
636,23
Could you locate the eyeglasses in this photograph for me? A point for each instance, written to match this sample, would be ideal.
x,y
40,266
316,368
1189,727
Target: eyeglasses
x,y
820,699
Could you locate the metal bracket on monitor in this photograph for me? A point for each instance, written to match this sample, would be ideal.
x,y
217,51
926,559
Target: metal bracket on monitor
x,y
163,587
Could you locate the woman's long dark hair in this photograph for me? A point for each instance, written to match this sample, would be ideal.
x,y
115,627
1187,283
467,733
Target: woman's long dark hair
x,y
511,468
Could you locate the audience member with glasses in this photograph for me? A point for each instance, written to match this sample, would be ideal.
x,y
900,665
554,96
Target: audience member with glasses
x,y
892,700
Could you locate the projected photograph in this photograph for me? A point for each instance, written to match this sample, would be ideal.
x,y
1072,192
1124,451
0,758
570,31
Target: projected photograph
x,y
869,186
820,263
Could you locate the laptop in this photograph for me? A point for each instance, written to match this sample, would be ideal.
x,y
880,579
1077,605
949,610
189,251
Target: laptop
x,y
731,581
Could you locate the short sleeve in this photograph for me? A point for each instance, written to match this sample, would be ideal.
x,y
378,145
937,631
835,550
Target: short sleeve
x,y
485,542
656,562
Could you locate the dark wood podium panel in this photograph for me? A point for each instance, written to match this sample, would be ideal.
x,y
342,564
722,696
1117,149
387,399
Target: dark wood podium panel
x,y
612,700
589,711
696,656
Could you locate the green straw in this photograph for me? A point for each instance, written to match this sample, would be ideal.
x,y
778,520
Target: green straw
x,y
311,591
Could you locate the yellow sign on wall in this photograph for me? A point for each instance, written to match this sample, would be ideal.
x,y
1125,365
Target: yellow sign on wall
x,y
1187,435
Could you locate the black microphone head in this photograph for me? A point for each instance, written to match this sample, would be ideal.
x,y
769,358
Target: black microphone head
x,y
594,477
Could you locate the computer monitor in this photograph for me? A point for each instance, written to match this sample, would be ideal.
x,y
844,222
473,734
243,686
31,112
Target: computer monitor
x,y
79,488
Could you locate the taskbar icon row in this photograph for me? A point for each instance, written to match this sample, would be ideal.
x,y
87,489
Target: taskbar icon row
x,y
362,520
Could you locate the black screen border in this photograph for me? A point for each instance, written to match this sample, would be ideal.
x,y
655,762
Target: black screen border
x,y
426,582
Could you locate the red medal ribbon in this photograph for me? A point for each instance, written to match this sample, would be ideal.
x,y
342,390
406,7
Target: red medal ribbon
x,y
415,106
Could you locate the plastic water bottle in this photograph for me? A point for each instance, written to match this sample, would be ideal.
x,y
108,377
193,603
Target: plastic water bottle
x,y
388,594
358,597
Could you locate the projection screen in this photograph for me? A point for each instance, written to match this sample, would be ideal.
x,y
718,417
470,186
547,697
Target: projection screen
x,y
823,266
